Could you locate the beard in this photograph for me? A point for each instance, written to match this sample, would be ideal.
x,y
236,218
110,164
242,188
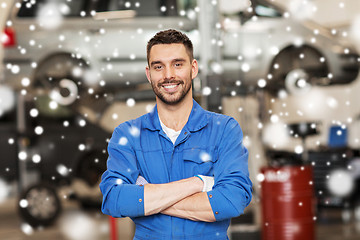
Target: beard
x,y
171,98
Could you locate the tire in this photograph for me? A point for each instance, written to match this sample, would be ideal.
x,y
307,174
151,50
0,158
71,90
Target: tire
x,y
295,69
61,76
39,205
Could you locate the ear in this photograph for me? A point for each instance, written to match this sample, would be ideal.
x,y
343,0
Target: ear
x,y
194,69
147,71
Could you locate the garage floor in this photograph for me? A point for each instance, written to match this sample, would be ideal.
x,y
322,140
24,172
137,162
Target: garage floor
x,y
76,224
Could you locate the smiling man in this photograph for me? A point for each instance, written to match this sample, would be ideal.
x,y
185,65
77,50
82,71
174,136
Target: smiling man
x,y
179,172
161,73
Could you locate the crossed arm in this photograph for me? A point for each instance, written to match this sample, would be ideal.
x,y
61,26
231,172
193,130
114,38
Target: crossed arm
x,y
182,199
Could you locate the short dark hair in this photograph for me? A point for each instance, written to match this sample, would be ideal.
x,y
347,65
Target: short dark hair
x,y
168,37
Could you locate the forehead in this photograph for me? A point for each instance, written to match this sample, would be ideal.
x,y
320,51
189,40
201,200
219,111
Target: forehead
x,y
163,52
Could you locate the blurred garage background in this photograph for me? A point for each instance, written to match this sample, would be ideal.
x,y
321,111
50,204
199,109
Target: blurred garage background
x,y
287,71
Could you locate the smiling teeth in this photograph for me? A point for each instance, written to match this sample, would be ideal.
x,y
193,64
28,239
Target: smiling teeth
x,y
171,86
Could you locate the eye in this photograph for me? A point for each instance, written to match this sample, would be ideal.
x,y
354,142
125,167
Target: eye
x,y
157,67
178,64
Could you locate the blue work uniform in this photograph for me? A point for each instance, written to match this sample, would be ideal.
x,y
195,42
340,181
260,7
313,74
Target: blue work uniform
x,y
209,144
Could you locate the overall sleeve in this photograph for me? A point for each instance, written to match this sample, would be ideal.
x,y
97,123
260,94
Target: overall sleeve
x,y
121,197
232,190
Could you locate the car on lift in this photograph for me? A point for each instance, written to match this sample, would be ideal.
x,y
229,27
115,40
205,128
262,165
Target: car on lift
x,y
282,52
97,45
46,149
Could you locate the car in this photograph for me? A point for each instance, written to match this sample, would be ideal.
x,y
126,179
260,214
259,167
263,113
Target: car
x,y
71,47
282,52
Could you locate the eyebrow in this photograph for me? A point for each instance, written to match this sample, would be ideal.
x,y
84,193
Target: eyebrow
x,y
174,60
179,60
155,62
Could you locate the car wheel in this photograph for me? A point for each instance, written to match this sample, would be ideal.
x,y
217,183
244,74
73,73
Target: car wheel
x,y
39,205
62,78
297,81
295,69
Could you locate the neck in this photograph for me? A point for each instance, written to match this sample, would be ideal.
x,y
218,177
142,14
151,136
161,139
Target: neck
x,y
175,116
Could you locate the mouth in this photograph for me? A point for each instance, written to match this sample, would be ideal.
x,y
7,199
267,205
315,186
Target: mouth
x,y
171,87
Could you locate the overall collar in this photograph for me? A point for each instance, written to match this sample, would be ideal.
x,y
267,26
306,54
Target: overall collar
x,y
197,119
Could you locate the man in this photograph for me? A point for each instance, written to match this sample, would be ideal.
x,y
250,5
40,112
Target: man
x,y
179,172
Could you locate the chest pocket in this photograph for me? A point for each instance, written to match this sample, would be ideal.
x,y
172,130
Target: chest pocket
x,y
199,161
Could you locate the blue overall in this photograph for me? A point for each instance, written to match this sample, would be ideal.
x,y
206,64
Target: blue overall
x,y
209,144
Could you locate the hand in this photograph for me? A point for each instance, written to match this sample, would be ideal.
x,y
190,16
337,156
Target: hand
x,y
208,182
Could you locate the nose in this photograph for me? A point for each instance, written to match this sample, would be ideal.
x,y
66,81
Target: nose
x,y
169,73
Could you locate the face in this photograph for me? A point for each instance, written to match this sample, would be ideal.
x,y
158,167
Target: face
x,y
170,72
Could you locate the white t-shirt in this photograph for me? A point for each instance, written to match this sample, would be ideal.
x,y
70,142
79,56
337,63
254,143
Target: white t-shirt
x,y
171,133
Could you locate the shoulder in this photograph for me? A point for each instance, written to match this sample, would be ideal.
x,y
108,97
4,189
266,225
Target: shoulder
x,y
131,127
127,124
223,126
218,119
